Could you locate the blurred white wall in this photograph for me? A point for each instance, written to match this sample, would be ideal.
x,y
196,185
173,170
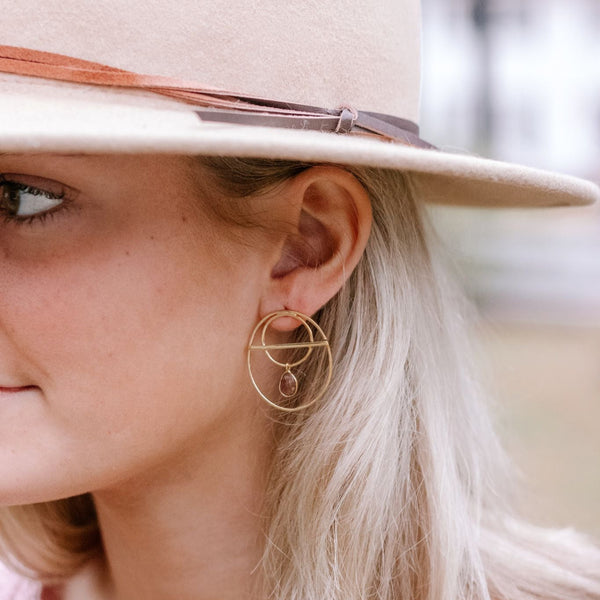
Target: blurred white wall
x,y
519,81
540,63
523,85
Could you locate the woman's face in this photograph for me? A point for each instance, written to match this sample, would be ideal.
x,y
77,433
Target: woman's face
x,y
124,314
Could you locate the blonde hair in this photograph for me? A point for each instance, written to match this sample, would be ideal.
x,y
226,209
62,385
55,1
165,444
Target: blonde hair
x,y
393,487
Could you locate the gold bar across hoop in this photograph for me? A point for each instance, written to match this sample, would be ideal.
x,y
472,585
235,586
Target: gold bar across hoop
x,y
289,346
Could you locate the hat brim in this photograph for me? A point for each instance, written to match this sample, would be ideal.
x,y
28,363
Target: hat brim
x,y
39,116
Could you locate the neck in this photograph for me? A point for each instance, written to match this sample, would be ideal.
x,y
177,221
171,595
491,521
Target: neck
x,y
190,529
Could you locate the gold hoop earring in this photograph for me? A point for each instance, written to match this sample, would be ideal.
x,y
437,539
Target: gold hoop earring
x,y
288,382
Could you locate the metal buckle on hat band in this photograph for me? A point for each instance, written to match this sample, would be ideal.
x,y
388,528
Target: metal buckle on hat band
x,y
348,117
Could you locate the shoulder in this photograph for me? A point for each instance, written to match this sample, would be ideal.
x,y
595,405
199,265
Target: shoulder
x,y
17,587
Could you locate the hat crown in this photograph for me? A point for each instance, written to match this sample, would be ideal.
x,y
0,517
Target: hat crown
x,y
359,53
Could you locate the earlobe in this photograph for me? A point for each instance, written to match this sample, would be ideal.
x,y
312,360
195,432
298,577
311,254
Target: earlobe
x,y
329,237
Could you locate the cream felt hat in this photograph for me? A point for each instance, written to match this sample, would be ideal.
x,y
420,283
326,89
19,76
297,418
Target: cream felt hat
x,y
335,81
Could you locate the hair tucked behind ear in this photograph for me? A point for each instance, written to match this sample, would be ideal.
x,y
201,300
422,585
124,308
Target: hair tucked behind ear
x,y
392,486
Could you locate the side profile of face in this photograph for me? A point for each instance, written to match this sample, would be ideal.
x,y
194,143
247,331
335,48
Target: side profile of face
x,y
124,314
126,306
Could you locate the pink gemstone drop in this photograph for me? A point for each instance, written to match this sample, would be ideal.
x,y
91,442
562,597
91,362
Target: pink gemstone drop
x,y
288,385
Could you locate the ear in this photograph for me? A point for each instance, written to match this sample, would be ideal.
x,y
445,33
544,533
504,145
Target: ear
x,y
331,225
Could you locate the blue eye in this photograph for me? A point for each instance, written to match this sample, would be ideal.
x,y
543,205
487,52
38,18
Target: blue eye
x,y
21,201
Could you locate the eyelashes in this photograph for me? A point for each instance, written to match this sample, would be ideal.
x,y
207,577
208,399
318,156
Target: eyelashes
x,y
26,199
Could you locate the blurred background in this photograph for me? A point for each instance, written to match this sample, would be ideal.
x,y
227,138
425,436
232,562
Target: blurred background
x,y
519,80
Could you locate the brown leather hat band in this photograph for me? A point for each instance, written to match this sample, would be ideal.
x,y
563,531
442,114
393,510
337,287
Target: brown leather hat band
x,y
218,105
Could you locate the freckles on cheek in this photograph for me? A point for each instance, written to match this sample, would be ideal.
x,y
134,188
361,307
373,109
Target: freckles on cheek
x,y
94,314
106,316
50,323
64,309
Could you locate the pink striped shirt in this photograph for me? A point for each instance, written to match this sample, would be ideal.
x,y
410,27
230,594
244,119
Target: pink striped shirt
x,y
17,587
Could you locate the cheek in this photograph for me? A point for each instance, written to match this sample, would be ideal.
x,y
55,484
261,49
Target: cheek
x,y
129,345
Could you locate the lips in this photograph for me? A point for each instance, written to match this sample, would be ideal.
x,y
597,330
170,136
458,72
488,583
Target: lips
x,y
16,389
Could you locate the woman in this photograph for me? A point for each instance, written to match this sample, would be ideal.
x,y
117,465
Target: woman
x,y
230,364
